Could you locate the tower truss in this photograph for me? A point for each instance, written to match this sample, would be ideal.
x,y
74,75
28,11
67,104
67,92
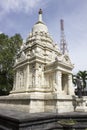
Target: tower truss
x,y
63,44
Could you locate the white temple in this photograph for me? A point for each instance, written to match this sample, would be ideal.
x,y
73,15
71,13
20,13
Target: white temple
x,y
42,74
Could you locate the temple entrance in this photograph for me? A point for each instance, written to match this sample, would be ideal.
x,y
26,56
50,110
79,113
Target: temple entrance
x,y
65,83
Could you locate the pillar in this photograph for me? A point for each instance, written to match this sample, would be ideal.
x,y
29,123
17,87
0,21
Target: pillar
x,y
58,81
27,78
70,85
14,83
17,79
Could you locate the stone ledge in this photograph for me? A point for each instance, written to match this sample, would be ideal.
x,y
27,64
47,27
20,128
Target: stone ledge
x,y
15,120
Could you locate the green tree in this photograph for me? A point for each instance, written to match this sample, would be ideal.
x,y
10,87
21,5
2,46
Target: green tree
x,y
9,47
83,76
74,79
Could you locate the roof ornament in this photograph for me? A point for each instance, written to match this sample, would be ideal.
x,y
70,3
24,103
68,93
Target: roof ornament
x,y
40,11
40,15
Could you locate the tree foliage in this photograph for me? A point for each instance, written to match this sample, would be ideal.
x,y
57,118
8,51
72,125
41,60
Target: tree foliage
x,y
9,47
82,76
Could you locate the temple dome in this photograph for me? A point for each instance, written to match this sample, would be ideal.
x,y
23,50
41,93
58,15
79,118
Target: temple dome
x,y
40,26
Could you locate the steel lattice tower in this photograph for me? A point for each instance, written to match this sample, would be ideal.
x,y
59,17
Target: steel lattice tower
x,y
63,44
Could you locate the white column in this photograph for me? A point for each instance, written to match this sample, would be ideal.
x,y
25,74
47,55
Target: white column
x,y
27,78
37,80
70,85
14,83
36,77
17,79
59,81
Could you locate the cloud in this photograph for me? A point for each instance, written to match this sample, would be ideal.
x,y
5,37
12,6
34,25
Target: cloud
x,y
1,32
25,6
18,5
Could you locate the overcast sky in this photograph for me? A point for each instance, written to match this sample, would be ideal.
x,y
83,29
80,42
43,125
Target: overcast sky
x,y
19,16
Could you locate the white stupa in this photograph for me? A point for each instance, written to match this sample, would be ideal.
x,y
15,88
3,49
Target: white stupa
x,y
42,75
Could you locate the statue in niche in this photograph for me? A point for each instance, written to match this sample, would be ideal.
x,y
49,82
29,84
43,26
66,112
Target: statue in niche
x,y
79,87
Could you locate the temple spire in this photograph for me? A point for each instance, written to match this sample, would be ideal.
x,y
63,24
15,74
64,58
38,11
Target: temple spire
x,y
40,15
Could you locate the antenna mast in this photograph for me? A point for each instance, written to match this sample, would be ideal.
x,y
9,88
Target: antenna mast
x,y
63,44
